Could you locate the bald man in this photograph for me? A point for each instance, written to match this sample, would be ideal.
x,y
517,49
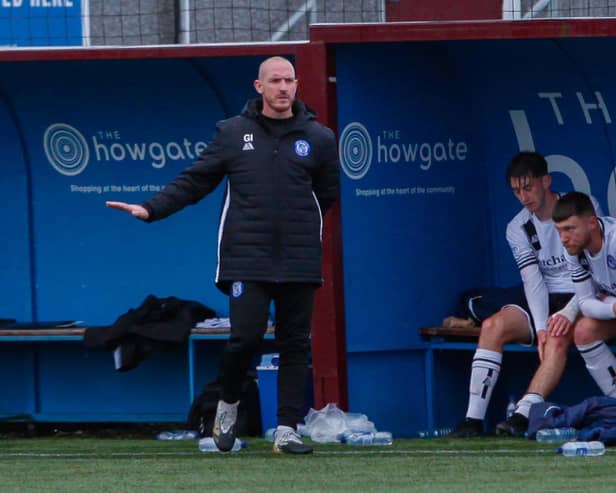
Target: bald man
x,y
282,176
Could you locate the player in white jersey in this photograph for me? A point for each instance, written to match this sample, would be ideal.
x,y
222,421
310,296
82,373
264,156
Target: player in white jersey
x,y
590,242
548,288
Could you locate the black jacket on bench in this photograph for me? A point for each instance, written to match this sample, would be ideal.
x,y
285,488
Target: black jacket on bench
x,y
281,178
156,323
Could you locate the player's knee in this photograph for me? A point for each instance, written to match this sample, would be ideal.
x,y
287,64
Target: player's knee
x,y
585,331
493,328
559,345
491,324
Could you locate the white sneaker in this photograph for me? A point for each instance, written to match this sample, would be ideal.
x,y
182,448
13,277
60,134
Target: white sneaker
x,y
223,431
287,441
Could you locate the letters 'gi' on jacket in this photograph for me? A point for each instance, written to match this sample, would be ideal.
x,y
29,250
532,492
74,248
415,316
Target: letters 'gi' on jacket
x,y
279,185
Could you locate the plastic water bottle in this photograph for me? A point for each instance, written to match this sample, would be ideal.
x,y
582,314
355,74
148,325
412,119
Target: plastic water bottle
x,y
269,434
555,435
350,434
377,438
207,445
582,449
302,430
177,435
510,407
437,433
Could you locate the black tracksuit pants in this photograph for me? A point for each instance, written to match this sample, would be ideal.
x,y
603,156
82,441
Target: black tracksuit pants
x,y
249,310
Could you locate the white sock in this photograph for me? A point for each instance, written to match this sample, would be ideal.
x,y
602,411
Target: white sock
x,y
601,365
523,406
485,369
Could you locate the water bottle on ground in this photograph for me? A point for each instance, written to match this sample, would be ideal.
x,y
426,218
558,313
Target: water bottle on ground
x,y
437,433
269,434
373,438
207,445
359,422
177,435
582,449
555,435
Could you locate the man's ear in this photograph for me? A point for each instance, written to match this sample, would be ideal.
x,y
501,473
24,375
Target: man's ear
x,y
258,87
546,181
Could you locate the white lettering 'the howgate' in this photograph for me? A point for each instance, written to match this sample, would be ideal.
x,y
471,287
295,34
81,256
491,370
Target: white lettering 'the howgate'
x,y
425,152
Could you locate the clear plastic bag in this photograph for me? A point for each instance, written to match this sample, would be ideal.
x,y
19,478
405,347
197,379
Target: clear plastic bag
x,y
325,425
329,425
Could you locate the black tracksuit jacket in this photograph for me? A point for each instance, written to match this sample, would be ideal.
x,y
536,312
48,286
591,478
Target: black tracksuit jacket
x,y
279,185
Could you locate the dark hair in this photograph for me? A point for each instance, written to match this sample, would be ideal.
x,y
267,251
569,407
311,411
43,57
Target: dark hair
x,y
527,163
573,204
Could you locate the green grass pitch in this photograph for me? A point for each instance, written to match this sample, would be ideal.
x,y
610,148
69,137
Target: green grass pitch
x,y
77,464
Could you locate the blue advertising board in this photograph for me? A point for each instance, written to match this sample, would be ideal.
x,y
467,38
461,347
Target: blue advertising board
x,y
552,96
74,134
40,23
424,149
414,221
15,261
427,130
129,129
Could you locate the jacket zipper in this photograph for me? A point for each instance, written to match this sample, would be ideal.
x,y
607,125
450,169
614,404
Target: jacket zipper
x,y
277,243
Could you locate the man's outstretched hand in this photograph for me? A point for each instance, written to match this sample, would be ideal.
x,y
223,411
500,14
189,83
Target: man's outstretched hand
x,y
134,209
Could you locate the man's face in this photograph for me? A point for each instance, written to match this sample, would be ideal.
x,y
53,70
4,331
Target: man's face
x,y
530,191
575,233
277,85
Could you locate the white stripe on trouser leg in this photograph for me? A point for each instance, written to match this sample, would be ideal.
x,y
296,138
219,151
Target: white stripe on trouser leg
x,y
484,374
601,365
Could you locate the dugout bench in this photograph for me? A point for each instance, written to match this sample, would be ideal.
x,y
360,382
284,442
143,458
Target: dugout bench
x,y
39,339
576,384
439,338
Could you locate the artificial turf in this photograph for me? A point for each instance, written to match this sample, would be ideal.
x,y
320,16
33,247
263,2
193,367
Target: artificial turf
x,y
75,464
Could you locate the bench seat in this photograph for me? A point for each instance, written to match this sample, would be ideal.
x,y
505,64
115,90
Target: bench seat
x,y
45,334
449,333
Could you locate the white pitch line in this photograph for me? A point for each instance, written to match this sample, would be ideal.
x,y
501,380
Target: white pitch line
x,y
436,451
363,451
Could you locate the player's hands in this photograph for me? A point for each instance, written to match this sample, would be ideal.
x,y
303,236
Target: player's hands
x,y
136,210
558,325
542,338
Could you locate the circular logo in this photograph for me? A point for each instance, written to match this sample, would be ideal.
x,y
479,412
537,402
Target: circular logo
x,y
66,149
611,262
355,149
302,148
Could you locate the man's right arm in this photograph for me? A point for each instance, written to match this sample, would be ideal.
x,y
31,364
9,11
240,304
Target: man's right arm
x,y
536,291
590,305
188,188
193,183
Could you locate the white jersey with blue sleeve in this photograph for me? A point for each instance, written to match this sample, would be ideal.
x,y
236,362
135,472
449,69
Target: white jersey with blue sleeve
x,y
594,276
540,257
